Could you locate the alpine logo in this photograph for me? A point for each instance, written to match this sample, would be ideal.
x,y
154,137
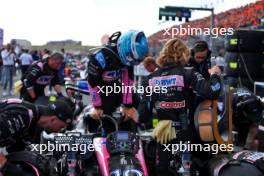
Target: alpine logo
x,y
171,105
111,75
167,81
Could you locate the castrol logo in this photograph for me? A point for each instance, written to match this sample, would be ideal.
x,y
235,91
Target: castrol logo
x,y
174,104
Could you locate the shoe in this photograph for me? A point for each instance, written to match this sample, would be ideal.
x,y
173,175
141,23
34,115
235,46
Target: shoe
x,y
4,93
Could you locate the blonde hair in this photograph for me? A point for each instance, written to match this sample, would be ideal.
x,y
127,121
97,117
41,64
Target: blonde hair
x,y
174,52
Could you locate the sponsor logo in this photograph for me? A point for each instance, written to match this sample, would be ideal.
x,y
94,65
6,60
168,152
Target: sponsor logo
x,y
255,156
93,96
111,75
167,81
101,59
216,87
170,105
44,80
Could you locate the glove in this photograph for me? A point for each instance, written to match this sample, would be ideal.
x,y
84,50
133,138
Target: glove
x,y
18,86
133,114
126,112
164,132
160,131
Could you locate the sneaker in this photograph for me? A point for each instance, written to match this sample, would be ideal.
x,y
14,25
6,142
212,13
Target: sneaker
x,y
4,93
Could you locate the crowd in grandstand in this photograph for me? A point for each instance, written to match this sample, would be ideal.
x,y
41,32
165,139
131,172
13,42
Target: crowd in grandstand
x,y
248,16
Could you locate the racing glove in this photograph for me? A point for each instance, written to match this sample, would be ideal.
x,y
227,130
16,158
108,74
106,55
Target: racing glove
x,y
97,113
164,132
132,113
18,86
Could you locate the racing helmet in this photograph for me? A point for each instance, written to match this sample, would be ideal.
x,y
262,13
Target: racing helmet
x,y
132,47
245,102
28,163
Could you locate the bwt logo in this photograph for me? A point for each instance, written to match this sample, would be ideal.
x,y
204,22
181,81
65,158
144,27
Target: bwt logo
x,y
167,81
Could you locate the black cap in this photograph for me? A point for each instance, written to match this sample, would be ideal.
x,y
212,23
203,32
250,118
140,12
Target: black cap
x,y
63,108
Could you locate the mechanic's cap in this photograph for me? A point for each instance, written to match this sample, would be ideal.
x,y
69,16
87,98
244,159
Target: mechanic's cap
x,y
200,46
63,108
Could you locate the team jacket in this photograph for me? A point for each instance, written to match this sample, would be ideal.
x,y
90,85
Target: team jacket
x,y
105,69
202,67
178,81
39,75
17,120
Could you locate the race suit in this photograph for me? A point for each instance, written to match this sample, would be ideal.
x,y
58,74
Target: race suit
x,y
105,72
37,77
173,104
18,120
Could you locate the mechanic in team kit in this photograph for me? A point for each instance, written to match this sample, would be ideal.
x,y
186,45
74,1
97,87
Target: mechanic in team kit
x,y
19,120
172,106
39,75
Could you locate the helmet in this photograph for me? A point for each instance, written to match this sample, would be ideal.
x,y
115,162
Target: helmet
x,y
29,163
63,108
132,47
246,102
